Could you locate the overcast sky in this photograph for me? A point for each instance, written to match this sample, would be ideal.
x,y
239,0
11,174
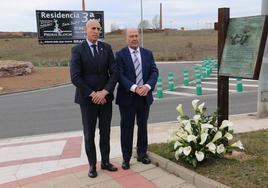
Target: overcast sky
x,y
19,15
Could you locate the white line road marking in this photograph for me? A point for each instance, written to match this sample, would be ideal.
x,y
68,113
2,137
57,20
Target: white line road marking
x,y
178,93
232,79
204,88
230,84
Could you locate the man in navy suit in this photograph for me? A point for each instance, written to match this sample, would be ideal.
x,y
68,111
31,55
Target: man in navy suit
x,y
94,73
137,78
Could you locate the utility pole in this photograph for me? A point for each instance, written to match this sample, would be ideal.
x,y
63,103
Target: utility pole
x,y
262,104
83,5
141,25
160,20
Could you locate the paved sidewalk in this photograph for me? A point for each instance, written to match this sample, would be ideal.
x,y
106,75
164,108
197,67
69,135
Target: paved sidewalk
x,y
59,160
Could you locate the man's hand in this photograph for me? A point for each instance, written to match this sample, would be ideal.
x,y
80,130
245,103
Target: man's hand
x,y
99,97
142,90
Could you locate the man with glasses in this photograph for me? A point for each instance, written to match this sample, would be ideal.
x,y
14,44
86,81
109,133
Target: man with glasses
x,y
94,73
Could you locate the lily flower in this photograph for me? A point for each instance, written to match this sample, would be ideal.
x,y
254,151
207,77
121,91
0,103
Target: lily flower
x,y
217,136
206,126
229,136
238,144
191,138
182,135
177,154
201,108
177,144
199,155
211,147
196,118
203,138
220,149
226,123
194,104
180,109
179,119
187,126
187,150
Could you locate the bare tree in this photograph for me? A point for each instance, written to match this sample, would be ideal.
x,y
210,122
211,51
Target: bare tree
x,y
156,22
145,24
114,27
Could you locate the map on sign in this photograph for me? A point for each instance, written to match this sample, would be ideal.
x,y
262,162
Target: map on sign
x,y
244,47
65,27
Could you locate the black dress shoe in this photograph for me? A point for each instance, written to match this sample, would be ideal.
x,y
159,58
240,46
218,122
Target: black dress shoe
x,y
92,173
144,160
125,165
108,166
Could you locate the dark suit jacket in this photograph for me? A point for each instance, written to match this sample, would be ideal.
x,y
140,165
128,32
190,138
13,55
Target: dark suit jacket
x,y
127,75
89,75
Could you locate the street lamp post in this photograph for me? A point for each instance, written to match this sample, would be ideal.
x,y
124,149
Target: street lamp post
x,y
141,25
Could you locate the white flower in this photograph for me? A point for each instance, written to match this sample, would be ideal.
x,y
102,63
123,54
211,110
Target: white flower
x,y
206,126
229,136
194,104
180,109
179,119
177,154
203,138
238,144
191,138
226,123
211,147
199,155
196,118
177,144
220,149
180,150
217,136
187,126
201,108
187,150
183,135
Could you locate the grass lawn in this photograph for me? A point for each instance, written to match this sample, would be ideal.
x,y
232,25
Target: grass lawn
x,y
166,46
244,170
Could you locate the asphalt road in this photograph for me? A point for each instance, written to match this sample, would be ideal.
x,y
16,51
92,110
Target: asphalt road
x,y
52,110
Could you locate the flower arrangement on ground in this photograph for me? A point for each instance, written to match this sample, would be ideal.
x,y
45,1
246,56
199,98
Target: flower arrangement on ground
x,y
199,138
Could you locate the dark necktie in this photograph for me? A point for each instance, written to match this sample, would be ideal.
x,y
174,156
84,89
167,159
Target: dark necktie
x,y
95,52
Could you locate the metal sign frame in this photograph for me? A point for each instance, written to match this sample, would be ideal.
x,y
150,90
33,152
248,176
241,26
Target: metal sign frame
x,y
65,27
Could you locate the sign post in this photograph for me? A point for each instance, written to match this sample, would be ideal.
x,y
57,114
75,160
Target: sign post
x,y
223,81
241,43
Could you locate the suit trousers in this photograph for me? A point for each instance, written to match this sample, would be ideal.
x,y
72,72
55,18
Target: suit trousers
x,y
90,113
140,110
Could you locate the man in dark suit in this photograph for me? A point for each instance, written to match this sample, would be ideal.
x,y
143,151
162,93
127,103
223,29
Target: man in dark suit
x,y
137,78
94,73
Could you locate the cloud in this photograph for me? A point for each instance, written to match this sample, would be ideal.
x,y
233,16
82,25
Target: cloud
x,y
20,15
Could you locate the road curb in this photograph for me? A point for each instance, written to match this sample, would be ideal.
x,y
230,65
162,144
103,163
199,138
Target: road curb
x,y
186,174
36,89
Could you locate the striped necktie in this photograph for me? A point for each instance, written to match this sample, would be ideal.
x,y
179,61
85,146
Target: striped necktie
x,y
138,70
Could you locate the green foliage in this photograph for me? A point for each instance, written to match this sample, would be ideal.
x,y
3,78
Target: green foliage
x,y
247,170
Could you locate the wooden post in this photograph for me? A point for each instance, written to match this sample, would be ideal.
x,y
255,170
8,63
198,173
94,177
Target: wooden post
x,y
223,81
